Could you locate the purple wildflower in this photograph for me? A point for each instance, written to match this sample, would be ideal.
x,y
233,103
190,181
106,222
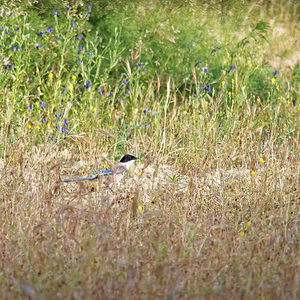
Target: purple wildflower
x,y
90,7
43,105
232,68
139,64
88,84
49,30
29,107
79,37
127,92
101,91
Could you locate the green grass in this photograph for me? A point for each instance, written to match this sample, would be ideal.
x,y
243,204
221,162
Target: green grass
x,y
211,209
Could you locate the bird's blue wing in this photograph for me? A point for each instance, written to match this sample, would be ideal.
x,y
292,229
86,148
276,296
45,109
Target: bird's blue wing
x,y
106,172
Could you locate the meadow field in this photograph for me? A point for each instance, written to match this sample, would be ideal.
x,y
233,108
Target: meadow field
x,y
205,94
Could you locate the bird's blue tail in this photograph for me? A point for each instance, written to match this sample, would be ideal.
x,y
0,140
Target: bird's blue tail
x,y
93,177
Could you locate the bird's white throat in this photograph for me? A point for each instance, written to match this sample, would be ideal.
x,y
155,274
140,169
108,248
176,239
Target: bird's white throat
x,y
128,164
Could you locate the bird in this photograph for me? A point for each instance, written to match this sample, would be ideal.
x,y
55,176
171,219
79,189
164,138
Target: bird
x,y
113,175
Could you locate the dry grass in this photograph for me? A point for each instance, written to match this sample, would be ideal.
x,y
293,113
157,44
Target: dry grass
x,y
205,228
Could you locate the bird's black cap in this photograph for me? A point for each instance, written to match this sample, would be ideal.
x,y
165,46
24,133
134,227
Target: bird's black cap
x,y
127,158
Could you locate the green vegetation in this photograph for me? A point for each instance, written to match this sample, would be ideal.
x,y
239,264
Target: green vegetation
x,y
205,93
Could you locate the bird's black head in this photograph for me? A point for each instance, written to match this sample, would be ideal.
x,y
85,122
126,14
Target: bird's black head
x,y
127,158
